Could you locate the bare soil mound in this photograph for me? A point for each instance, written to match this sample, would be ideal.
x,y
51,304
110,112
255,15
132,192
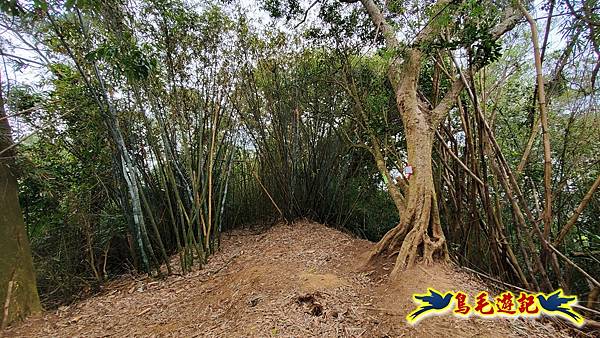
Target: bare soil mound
x,y
300,280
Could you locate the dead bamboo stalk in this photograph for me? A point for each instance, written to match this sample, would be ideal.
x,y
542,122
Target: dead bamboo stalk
x,y
464,166
547,215
525,157
573,219
267,192
573,264
508,181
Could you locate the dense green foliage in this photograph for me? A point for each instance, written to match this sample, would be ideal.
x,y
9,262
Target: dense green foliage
x,y
158,124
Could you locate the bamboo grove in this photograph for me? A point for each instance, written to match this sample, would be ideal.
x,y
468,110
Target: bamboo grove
x,y
159,124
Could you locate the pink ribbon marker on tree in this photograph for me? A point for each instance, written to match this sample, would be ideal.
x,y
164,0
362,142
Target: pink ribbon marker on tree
x,y
408,171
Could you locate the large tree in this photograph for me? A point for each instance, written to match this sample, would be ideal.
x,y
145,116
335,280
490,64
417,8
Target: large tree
x,y
18,292
419,234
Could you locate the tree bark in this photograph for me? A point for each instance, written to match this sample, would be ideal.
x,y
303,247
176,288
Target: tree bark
x,y
18,291
426,238
419,233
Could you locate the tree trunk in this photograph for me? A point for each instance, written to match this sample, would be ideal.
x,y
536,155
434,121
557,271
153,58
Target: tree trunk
x,y
425,238
419,234
18,292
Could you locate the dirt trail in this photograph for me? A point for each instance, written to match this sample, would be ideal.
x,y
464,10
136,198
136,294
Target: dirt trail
x,y
296,280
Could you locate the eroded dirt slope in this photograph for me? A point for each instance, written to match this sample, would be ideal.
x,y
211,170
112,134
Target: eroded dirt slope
x,y
301,280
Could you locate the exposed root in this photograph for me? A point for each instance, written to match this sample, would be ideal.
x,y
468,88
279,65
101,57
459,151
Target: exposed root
x,y
424,242
389,244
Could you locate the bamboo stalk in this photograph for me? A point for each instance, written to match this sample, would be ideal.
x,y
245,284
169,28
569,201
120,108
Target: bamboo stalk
x,y
544,119
575,216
